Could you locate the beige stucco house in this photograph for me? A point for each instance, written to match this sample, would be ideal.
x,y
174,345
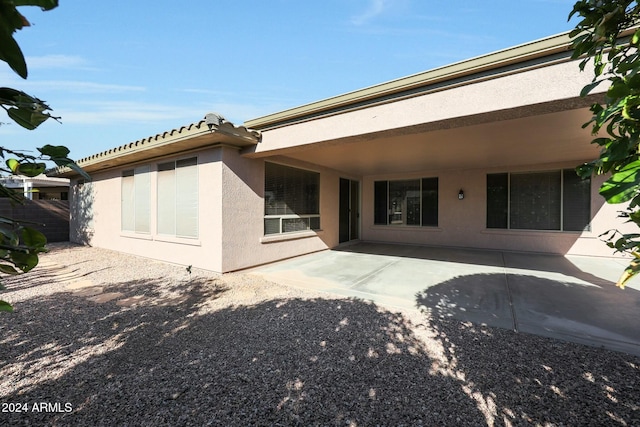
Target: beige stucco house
x,y
477,154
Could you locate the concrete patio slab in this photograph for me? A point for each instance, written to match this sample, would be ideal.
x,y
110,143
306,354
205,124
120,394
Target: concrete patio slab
x,y
569,298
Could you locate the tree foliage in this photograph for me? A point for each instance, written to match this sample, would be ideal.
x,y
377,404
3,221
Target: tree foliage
x,y
20,243
607,38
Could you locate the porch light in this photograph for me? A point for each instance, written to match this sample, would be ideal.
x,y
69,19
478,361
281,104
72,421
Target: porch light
x,y
461,194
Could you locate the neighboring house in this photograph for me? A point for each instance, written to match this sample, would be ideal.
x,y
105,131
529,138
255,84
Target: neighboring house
x,y
40,187
478,154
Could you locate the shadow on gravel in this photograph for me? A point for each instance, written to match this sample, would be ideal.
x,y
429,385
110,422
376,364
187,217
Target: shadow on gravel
x,y
292,362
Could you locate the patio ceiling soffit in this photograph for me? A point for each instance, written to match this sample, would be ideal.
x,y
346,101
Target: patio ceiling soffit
x,y
212,131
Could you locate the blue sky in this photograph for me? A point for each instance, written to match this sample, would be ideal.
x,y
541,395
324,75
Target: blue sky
x,y
118,71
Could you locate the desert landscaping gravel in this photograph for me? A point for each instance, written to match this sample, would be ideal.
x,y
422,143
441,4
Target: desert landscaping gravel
x,y
100,338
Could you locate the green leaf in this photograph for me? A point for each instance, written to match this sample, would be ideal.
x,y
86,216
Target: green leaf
x,y
618,89
588,88
7,269
632,270
44,4
31,169
58,151
635,39
72,165
11,54
28,119
585,170
635,217
24,261
9,95
5,306
33,238
13,164
623,185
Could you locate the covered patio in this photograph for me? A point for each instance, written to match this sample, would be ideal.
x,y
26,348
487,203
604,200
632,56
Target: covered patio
x,y
572,298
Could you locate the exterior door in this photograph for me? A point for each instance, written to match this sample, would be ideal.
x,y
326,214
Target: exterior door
x,y
349,227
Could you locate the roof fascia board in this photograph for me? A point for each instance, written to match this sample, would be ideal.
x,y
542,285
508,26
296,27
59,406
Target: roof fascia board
x,y
524,52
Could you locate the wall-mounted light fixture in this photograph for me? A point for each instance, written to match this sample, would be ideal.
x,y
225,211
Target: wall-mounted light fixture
x,y
460,194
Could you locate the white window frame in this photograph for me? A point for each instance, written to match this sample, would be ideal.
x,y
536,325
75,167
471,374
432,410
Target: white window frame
x,y
283,217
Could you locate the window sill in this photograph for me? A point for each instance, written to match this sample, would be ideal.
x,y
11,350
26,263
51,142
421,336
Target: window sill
x,y
131,235
411,228
508,231
289,236
178,240
166,239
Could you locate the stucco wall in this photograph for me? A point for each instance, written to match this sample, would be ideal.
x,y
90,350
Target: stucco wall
x,y
536,86
243,241
231,213
103,226
462,223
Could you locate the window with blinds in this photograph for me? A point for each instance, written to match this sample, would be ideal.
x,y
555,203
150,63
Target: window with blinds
x,y
177,202
407,202
136,200
291,199
555,200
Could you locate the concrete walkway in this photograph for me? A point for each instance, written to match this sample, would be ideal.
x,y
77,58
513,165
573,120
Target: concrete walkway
x,y
570,298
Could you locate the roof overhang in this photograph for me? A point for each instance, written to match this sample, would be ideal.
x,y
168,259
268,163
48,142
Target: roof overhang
x,y
537,53
409,86
187,138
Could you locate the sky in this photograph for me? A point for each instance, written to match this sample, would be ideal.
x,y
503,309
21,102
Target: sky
x,y
118,71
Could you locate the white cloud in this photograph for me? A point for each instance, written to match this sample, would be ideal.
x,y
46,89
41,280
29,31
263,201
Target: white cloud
x,y
167,116
56,61
84,87
7,78
376,7
120,112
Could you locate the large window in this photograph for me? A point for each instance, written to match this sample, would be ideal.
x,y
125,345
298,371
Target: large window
x,y
408,202
178,198
135,200
291,199
555,200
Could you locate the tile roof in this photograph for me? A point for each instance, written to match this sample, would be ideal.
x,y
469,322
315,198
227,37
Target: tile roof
x,y
196,135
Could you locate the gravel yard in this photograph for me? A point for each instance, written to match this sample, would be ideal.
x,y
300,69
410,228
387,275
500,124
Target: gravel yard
x,y
101,338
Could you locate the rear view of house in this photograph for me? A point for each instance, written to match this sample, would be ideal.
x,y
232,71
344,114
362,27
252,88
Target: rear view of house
x,y
479,154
